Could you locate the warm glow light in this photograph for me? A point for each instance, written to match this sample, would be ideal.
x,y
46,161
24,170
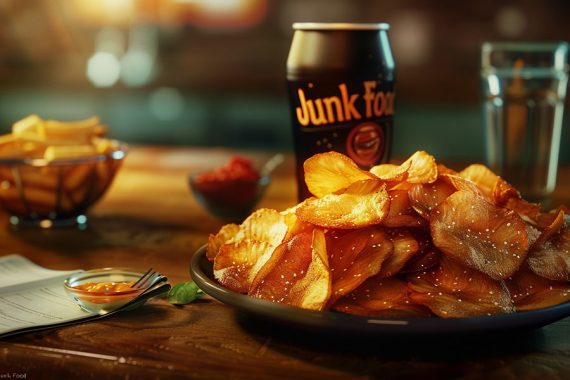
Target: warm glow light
x,y
510,21
103,69
101,12
411,37
136,68
224,13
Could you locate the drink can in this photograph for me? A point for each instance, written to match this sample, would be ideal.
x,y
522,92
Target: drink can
x,y
340,79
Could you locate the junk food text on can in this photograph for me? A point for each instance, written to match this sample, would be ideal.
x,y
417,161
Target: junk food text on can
x,y
341,92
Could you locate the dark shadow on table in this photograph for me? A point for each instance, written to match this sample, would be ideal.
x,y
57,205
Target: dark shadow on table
x,y
432,356
100,232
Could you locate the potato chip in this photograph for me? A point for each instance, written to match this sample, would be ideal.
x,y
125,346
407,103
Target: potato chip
x,y
391,172
549,224
442,169
426,197
503,192
499,192
529,212
551,259
405,247
313,291
263,225
326,173
381,297
480,235
297,273
530,291
419,168
482,176
355,256
363,204
460,183
216,241
401,213
234,263
455,291
260,233
428,255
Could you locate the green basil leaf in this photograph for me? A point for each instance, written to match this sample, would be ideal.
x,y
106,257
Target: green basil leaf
x,y
184,293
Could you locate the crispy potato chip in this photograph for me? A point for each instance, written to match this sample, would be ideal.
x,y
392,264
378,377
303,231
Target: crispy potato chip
x,y
391,172
499,192
363,204
401,213
530,291
502,192
482,176
216,241
442,169
419,168
297,273
234,263
480,235
260,233
355,256
427,257
405,247
460,183
529,212
549,224
455,291
381,297
426,197
423,168
327,173
263,225
551,259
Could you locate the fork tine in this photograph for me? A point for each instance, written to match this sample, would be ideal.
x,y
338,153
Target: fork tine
x,y
147,280
143,278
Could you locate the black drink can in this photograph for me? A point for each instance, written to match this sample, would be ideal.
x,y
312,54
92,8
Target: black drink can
x,y
341,93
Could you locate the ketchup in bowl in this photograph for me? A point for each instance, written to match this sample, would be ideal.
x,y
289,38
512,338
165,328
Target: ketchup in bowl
x,y
230,191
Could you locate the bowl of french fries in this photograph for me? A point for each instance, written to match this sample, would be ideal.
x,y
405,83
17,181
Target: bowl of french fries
x,y
51,172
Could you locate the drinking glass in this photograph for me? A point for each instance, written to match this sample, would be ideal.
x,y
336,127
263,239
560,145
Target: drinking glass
x,y
524,88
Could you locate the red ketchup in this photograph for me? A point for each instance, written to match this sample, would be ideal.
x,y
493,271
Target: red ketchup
x,y
232,185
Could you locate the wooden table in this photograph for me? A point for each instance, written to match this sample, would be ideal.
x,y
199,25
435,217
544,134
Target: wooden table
x,y
149,218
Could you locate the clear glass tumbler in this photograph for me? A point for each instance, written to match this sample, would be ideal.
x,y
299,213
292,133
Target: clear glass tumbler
x,y
524,88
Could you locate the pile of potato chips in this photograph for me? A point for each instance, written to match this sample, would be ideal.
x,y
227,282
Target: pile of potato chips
x,y
418,239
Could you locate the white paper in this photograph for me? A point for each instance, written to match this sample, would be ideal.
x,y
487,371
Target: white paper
x,y
32,296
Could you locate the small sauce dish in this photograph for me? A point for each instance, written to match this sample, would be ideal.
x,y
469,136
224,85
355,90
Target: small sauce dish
x,y
104,290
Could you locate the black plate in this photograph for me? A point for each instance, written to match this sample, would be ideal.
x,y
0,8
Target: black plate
x,y
332,322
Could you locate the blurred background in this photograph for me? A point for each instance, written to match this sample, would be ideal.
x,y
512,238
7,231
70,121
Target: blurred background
x,y
212,72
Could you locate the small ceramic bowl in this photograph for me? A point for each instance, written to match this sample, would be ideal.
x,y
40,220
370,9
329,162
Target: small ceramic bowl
x,y
233,201
102,302
42,193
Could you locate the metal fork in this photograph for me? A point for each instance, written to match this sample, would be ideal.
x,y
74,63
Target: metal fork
x,y
144,280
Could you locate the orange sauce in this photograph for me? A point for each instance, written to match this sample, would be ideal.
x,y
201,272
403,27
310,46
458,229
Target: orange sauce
x,y
105,287
103,291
